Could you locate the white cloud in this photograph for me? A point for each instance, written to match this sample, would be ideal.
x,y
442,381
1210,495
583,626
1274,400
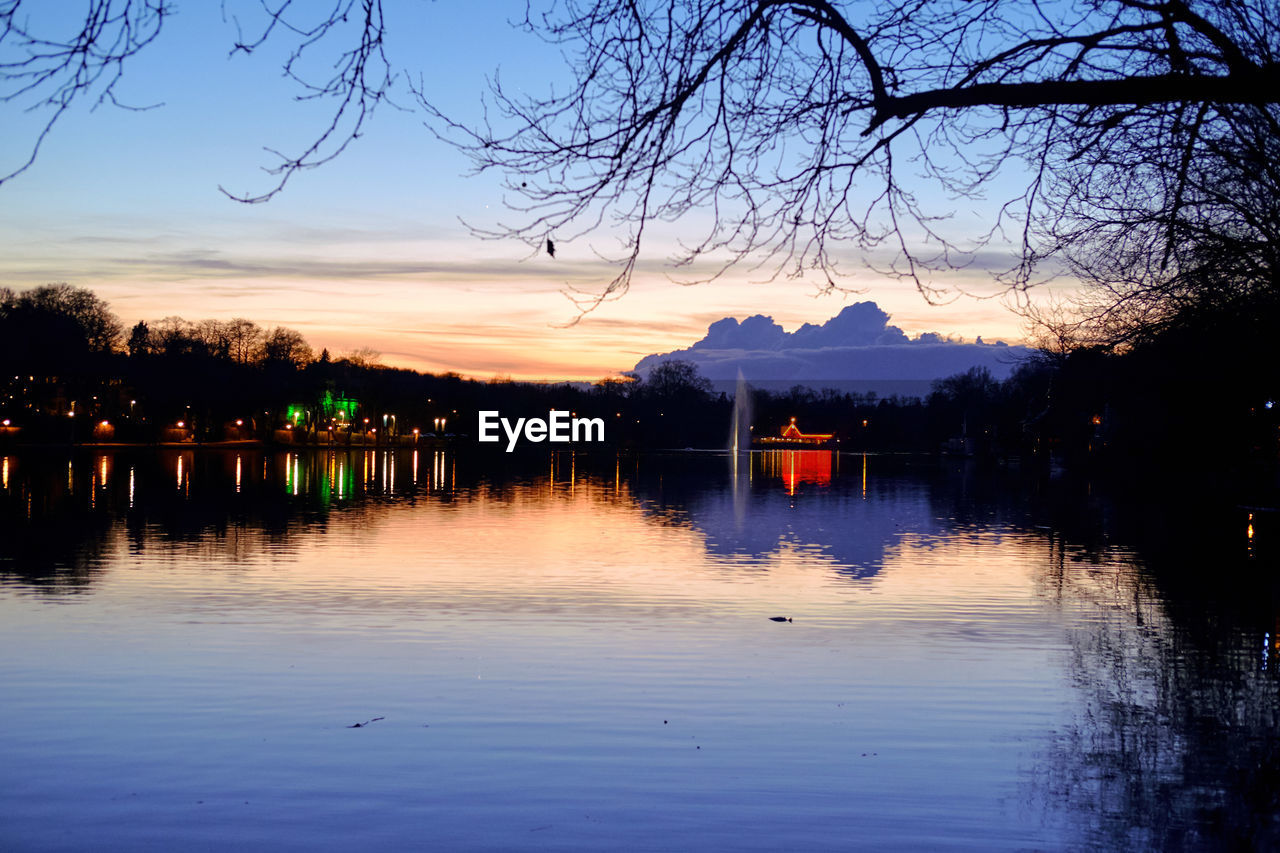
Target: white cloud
x,y
856,344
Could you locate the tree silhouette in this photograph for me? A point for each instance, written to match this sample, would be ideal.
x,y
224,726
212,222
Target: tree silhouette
x,y
1167,234
677,380
56,323
807,134
815,131
139,339
287,347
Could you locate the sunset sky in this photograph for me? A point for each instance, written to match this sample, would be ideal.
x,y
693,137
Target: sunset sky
x,y
367,251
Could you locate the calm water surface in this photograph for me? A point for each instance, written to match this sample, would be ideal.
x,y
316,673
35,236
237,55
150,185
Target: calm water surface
x,y
576,653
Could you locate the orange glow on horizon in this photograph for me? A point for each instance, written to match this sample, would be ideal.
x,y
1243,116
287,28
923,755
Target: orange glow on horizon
x,y
446,325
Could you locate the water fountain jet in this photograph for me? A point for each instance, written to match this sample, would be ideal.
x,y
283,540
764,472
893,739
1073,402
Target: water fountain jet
x,y
740,437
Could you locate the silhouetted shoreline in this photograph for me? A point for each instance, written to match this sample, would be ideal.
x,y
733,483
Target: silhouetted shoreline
x,y
73,378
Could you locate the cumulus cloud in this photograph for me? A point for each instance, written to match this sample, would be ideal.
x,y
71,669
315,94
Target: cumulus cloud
x,y
858,344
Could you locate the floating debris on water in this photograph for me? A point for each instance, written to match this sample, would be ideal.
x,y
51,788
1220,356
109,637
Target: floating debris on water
x,y
365,723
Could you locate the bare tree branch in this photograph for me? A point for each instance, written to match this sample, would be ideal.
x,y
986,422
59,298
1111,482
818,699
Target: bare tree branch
x,y
360,81
803,131
799,137
46,73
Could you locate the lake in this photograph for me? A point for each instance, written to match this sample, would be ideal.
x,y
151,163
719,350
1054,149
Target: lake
x,y
579,652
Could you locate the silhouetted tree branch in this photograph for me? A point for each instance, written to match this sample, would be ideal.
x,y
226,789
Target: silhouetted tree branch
x,y
804,133
801,136
360,79
47,70
47,66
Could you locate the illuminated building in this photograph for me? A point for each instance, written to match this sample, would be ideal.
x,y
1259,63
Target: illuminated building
x,y
792,436
331,409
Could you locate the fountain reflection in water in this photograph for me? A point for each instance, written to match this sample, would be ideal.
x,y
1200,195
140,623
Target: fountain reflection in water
x,y
739,441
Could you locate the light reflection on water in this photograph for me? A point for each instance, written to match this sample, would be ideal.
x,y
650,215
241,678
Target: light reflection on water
x,y
575,652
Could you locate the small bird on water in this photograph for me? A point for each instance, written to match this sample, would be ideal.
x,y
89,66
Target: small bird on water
x,y
780,619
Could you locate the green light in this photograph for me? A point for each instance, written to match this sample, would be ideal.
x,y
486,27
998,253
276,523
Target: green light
x,y
340,408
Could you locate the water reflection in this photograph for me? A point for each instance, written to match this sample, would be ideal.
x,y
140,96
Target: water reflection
x,y
849,510
795,500
1128,657
1174,743
800,467
774,504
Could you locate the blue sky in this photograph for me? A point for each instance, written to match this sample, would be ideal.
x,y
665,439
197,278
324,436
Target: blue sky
x,y
367,250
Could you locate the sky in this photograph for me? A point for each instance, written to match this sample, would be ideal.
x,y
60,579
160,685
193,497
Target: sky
x,y
370,250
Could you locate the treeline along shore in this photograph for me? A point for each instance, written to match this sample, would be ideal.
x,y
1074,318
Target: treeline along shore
x,y
73,374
